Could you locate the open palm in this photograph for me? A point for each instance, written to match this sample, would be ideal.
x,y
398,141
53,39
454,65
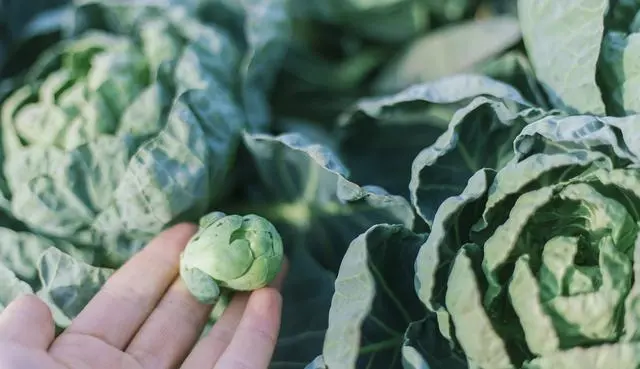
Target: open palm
x,y
144,317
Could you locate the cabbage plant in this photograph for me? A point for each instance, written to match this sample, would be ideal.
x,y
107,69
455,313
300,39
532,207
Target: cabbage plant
x,y
128,124
535,265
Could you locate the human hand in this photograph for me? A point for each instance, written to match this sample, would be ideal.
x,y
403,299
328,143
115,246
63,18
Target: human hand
x,y
144,317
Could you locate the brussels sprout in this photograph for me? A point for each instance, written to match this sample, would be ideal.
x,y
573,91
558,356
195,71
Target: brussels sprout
x,y
241,253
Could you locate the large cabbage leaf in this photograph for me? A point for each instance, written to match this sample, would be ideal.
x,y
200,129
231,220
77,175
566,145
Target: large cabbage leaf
x,y
449,129
585,53
343,50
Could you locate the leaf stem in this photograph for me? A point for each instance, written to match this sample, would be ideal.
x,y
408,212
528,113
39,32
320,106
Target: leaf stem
x,y
378,346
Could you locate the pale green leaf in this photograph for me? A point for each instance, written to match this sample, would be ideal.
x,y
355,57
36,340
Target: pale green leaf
x,y
615,355
563,41
402,128
306,189
267,30
374,302
68,284
12,287
425,348
455,49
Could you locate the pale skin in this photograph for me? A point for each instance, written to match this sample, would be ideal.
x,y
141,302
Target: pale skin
x,y
144,317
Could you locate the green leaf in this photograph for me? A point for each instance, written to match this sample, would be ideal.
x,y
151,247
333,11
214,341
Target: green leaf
x,y
306,293
454,49
599,298
515,69
621,355
564,58
305,191
402,128
26,28
374,301
370,19
21,251
445,90
452,10
632,303
317,363
451,226
425,348
79,196
532,173
322,83
267,30
60,193
176,174
479,136
509,296
12,287
620,71
68,284
617,137
475,332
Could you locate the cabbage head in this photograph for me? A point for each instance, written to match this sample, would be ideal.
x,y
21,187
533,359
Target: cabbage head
x,y
129,124
537,265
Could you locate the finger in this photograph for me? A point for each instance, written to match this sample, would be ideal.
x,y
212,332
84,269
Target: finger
x,y
27,322
118,310
171,330
209,349
255,337
16,356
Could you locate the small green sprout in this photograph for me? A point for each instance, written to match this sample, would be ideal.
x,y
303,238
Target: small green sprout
x,y
240,253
